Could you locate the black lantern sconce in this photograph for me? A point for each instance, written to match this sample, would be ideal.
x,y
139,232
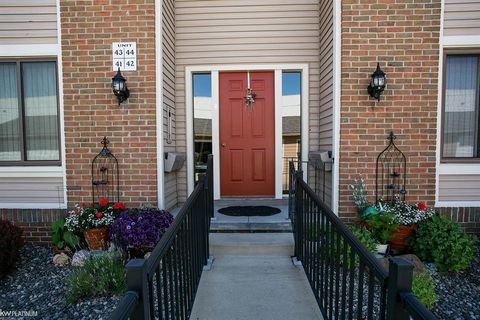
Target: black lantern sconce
x,y
377,84
119,87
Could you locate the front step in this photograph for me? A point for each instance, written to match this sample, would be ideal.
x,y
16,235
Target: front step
x,y
243,227
251,244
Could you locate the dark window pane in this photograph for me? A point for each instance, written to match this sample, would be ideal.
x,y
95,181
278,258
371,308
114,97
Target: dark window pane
x,y
9,115
40,105
202,122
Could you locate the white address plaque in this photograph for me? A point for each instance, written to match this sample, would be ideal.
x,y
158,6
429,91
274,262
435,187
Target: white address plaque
x,y
124,56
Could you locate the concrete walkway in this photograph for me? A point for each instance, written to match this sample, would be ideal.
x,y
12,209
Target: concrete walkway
x,y
262,285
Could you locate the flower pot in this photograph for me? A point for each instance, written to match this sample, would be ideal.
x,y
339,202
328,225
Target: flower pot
x,y
397,243
97,238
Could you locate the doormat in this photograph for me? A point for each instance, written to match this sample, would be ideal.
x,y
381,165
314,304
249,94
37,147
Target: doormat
x,y
249,211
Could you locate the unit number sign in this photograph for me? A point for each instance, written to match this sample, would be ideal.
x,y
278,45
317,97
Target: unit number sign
x,y
124,56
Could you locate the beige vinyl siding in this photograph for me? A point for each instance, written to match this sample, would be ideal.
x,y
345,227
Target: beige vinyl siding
x,y
168,51
31,190
462,18
28,22
326,88
222,32
459,187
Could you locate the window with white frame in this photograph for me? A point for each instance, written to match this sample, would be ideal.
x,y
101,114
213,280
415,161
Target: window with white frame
x,y
460,130
29,123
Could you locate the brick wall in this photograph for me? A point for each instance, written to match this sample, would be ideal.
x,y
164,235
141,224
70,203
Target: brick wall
x,y
35,223
91,109
404,37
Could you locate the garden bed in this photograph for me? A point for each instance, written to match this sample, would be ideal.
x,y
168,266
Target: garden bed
x,y
458,293
36,285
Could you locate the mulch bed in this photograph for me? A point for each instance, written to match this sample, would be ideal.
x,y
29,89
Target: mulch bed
x,y
39,286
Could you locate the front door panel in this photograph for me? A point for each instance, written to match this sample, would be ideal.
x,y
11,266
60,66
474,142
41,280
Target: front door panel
x,y
247,135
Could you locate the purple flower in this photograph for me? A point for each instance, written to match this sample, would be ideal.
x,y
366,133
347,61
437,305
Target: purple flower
x,y
139,230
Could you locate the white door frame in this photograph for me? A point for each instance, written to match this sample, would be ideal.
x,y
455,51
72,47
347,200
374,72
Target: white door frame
x,y
214,71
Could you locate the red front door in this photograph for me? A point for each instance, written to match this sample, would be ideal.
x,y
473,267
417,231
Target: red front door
x,y
247,135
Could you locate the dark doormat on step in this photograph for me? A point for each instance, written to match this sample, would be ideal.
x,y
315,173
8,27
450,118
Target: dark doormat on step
x,y
249,211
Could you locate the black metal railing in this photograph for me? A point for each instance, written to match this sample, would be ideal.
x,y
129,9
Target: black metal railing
x,y
164,285
348,282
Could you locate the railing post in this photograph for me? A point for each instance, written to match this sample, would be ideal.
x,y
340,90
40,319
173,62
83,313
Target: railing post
x,y
137,281
298,219
399,280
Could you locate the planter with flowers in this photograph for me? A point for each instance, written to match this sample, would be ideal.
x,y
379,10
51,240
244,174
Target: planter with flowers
x,y
407,216
93,221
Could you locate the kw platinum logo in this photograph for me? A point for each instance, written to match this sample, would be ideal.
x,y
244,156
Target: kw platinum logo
x,y
18,313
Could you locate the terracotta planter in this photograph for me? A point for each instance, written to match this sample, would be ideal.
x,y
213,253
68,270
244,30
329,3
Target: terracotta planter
x,y
97,239
397,243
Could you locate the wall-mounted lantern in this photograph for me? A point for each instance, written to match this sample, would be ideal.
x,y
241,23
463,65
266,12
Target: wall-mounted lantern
x,y
377,84
119,87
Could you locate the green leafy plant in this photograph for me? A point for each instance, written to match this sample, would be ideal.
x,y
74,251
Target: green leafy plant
x,y
61,237
100,276
423,288
382,226
11,241
365,237
359,194
443,242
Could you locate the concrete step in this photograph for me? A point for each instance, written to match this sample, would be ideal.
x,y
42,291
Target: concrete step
x,y
224,226
252,244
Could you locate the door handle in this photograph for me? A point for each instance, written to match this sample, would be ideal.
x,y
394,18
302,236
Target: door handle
x,y
223,145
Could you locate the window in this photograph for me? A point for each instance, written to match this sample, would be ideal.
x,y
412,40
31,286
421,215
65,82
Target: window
x,y
202,120
290,106
461,107
29,130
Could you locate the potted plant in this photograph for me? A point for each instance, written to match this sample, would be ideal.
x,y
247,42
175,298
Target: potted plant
x,y
382,227
137,231
365,209
62,238
93,222
407,216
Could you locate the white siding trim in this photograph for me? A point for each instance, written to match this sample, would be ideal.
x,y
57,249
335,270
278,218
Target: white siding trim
x,y
32,172
457,204
159,103
278,131
458,168
439,104
337,92
61,104
32,50
458,41
33,206
215,119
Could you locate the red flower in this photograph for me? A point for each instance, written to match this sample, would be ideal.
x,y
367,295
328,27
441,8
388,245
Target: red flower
x,y
118,206
98,215
422,206
103,202
77,212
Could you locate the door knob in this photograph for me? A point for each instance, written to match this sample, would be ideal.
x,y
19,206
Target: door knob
x,y
223,145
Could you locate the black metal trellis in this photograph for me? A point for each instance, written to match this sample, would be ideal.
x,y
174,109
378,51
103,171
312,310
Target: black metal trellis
x,y
105,175
391,173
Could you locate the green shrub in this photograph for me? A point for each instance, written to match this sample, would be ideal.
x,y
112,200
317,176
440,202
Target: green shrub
x,y
423,288
100,276
11,242
382,226
443,242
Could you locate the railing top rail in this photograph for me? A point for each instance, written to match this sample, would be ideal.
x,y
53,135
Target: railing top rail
x,y
125,306
369,260
167,239
415,308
